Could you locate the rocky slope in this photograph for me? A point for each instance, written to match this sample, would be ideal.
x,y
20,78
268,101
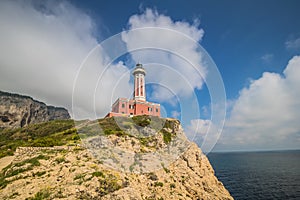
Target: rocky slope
x,y
81,172
18,111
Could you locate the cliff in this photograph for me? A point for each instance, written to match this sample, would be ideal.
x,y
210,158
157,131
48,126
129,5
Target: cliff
x,y
112,161
19,111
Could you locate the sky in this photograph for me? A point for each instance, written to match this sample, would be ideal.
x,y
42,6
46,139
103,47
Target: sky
x,y
204,59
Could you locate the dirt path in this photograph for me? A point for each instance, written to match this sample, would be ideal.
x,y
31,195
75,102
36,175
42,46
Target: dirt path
x,y
5,161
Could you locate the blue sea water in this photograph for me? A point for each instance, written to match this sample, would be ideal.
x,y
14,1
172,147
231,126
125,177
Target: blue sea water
x,y
259,175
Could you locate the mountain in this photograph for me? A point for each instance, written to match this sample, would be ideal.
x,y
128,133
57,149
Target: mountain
x,y
142,157
19,111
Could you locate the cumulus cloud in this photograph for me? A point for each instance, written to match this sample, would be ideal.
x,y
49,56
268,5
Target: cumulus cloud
x,y
171,47
266,114
49,50
42,47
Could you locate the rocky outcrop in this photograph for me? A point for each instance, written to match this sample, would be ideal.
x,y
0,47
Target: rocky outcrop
x,y
75,172
18,111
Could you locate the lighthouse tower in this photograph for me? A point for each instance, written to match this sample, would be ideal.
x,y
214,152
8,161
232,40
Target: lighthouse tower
x,y
138,105
139,74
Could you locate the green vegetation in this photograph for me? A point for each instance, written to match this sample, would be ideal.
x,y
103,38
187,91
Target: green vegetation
x,y
142,120
166,169
48,134
120,126
39,174
108,185
79,176
17,168
42,194
158,184
167,136
63,132
98,174
60,160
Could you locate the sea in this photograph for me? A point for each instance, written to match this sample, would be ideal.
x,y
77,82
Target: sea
x,y
259,175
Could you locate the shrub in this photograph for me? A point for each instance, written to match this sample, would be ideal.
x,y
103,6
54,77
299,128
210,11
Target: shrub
x,y
60,160
42,194
142,120
98,174
160,184
152,176
108,185
167,136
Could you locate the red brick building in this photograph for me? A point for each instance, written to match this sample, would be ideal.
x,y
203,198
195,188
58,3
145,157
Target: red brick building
x,y
138,105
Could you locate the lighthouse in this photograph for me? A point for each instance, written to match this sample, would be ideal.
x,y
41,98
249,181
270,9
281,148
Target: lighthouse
x,y
138,105
139,74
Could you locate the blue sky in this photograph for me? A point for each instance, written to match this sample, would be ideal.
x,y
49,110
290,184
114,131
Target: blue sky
x,y
254,44
237,33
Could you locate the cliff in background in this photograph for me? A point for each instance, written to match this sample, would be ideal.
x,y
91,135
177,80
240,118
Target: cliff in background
x,y
19,111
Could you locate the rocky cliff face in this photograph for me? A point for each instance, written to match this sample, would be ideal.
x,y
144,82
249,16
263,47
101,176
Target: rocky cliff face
x,y
75,172
18,111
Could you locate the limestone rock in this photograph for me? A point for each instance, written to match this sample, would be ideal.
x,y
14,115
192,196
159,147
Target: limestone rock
x,y
18,111
77,172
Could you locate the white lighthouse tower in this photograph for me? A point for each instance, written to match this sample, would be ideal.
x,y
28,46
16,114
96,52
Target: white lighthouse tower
x,y
139,74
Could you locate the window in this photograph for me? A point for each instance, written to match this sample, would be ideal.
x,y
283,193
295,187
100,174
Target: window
x,y
123,105
156,109
149,109
131,106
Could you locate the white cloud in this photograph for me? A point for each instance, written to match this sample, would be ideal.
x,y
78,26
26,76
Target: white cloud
x,y
266,114
42,47
165,38
293,43
198,127
267,58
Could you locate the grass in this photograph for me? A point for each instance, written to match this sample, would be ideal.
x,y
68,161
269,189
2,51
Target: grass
x,y
63,132
79,176
47,134
42,194
39,174
17,168
165,169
